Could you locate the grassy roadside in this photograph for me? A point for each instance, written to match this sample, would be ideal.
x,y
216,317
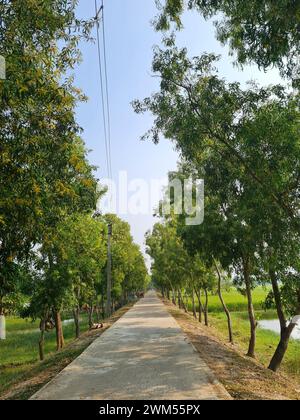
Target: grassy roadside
x,y
267,341
19,381
244,378
19,352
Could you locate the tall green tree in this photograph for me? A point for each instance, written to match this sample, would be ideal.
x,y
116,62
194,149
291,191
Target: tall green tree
x,y
136,276
129,273
255,130
169,258
262,31
196,109
82,242
43,169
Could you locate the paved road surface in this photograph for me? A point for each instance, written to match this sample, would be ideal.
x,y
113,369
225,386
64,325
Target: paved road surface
x,y
144,355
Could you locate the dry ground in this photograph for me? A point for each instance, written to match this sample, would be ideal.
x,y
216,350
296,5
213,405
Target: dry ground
x,y
244,378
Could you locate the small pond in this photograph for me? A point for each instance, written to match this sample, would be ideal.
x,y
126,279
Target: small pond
x,y
274,325
68,321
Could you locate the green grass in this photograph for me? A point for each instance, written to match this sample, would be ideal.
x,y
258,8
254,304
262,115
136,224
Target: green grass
x,y
267,341
236,302
19,357
20,350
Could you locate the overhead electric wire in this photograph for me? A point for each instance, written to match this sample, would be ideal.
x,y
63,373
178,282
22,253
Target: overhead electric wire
x,y
105,119
106,86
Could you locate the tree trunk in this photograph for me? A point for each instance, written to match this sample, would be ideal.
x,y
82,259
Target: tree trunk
x,y
122,299
282,348
91,312
251,313
98,313
206,308
183,306
59,331
194,304
173,297
179,300
102,306
277,298
42,339
76,321
200,306
200,312
226,310
187,302
285,331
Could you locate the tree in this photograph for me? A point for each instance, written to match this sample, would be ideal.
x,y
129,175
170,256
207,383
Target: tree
x,y
66,271
280,262
128,265
226,310
251,134
202,252
82,242
11,296
231,231
40,305
136,277
196,109
169,267
42,156
174,269
262,31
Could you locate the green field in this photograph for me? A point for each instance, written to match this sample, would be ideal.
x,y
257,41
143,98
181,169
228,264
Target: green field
x,y
266,340
19,352
236,302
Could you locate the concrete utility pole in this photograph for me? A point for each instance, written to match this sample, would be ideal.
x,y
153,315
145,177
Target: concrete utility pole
x,y
2,68
2,327
108,300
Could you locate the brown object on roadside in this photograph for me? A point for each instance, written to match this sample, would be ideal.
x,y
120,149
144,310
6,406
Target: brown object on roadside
x,y
97,326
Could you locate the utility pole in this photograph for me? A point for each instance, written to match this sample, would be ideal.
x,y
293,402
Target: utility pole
x,y
108,299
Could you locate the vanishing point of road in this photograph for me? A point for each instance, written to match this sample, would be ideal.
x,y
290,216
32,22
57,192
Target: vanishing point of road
x,y
144,356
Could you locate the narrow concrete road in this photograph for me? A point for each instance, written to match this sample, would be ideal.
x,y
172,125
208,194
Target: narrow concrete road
x,y
144,355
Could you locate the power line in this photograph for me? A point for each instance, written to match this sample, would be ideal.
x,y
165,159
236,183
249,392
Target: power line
x,y
105,119
98,11
106,85
107,136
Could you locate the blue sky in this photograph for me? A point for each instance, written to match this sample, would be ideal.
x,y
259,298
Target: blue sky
x,y
130,39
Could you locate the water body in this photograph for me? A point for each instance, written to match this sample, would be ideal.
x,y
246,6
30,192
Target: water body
x,y
274,325
67,321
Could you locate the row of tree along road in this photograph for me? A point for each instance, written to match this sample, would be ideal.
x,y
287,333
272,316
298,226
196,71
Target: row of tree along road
x,y
52,252
244,142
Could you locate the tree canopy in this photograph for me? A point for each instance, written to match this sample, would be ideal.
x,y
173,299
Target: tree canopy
x,y
262,31
53,253
244,142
